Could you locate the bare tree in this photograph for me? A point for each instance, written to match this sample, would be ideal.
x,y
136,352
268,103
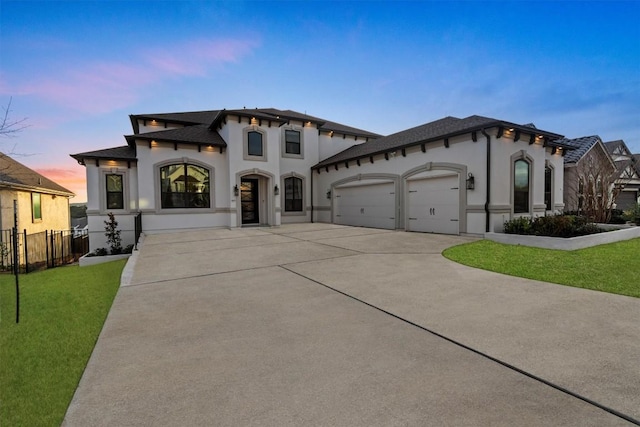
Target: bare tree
x,y
8,126
593,186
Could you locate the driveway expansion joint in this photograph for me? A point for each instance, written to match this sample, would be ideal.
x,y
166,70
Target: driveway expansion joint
x,y
478,352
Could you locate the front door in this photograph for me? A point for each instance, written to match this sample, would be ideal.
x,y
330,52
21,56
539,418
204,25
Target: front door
x,y
249,201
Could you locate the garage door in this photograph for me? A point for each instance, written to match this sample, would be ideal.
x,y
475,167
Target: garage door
x,y
626,200
433,205
371,205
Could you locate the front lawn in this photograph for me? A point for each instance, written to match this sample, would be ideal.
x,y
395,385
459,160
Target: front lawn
x,y
613,268
42,358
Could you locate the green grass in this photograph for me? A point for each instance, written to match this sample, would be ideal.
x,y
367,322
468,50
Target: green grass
x,y
42,358
613,268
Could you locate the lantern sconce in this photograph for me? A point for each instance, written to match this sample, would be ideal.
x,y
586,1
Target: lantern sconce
x,y
471,182
276,190
328,194
236,191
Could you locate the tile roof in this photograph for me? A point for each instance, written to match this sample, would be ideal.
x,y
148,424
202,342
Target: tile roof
x,y
196,134
581,146
429,132
117,153
16,175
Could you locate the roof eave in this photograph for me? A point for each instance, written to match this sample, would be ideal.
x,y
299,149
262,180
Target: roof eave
x,y
36,189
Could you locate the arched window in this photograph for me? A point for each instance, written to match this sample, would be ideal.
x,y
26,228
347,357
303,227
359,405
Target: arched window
x,y
292,194
184,185
254,143
521,185
548,185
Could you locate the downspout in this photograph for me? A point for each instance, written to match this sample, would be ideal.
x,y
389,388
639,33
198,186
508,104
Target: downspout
x,y
311,195
488,181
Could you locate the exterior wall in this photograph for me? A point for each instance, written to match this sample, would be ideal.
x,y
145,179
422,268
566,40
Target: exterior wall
x,y
156,219
97,211
504,151
54,209
466,157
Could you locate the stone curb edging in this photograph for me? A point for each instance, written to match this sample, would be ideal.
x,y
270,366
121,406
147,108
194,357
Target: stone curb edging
x,y
127,272
569,244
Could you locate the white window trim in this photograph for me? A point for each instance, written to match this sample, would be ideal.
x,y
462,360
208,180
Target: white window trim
x,y
245,143
283,142
125,190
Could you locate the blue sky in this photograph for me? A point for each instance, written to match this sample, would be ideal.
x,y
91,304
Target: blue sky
x,y
77,69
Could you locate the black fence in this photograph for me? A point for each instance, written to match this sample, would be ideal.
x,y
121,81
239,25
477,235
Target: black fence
x,y
38,251
137,229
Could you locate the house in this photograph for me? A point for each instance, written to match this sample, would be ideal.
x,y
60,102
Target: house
x,y
240,168
628,174
41,203
589,176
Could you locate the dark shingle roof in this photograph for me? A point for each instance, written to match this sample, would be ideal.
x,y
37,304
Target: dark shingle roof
x,y
285,115
429,132
612,145
196,134
118,153
185,118
16,175
581,146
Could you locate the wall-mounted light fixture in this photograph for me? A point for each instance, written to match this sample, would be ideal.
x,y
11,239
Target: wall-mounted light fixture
x,y
328,194
276,190
236,191
471,182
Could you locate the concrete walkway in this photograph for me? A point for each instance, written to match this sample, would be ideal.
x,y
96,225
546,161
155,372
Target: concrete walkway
x,y
318,324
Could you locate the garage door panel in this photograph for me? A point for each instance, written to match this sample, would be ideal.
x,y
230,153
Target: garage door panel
x,y
366,205
433,205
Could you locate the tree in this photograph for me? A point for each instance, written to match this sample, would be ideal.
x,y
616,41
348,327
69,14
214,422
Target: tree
x,y
8,126
113,234
593,188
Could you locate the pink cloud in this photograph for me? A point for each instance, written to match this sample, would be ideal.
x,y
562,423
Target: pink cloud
x,y
104,86
72,179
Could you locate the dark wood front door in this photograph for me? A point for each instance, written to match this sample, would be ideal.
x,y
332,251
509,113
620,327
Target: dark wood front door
x,y
249,201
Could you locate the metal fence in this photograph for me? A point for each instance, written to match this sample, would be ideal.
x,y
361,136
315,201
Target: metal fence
x,y
38,251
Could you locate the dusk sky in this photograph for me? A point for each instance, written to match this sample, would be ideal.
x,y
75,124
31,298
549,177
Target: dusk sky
x,y
77,69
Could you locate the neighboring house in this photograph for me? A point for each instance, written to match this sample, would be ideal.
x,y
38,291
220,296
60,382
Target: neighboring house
x,y
42,204
628,174
238,168
589,175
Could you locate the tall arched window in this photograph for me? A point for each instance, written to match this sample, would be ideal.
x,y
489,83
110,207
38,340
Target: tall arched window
x,y
184,185
521,186
292,194
548,185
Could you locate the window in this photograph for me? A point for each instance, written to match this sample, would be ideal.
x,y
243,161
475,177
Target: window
x,y
580,192
184,185
292,141
292,194
521,184
36,206
548,176
115,191
254,144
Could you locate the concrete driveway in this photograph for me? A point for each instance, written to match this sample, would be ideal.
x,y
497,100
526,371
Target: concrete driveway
x,y
318,324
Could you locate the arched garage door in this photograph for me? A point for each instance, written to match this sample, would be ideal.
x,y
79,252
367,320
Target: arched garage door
x,y
433,204
365,205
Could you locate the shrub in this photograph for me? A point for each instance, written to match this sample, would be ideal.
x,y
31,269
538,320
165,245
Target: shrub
x,y
128,249
113,234
617,217
633,214
551,226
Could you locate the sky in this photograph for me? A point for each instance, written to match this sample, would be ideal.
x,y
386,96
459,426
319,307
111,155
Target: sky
x,y
76,70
